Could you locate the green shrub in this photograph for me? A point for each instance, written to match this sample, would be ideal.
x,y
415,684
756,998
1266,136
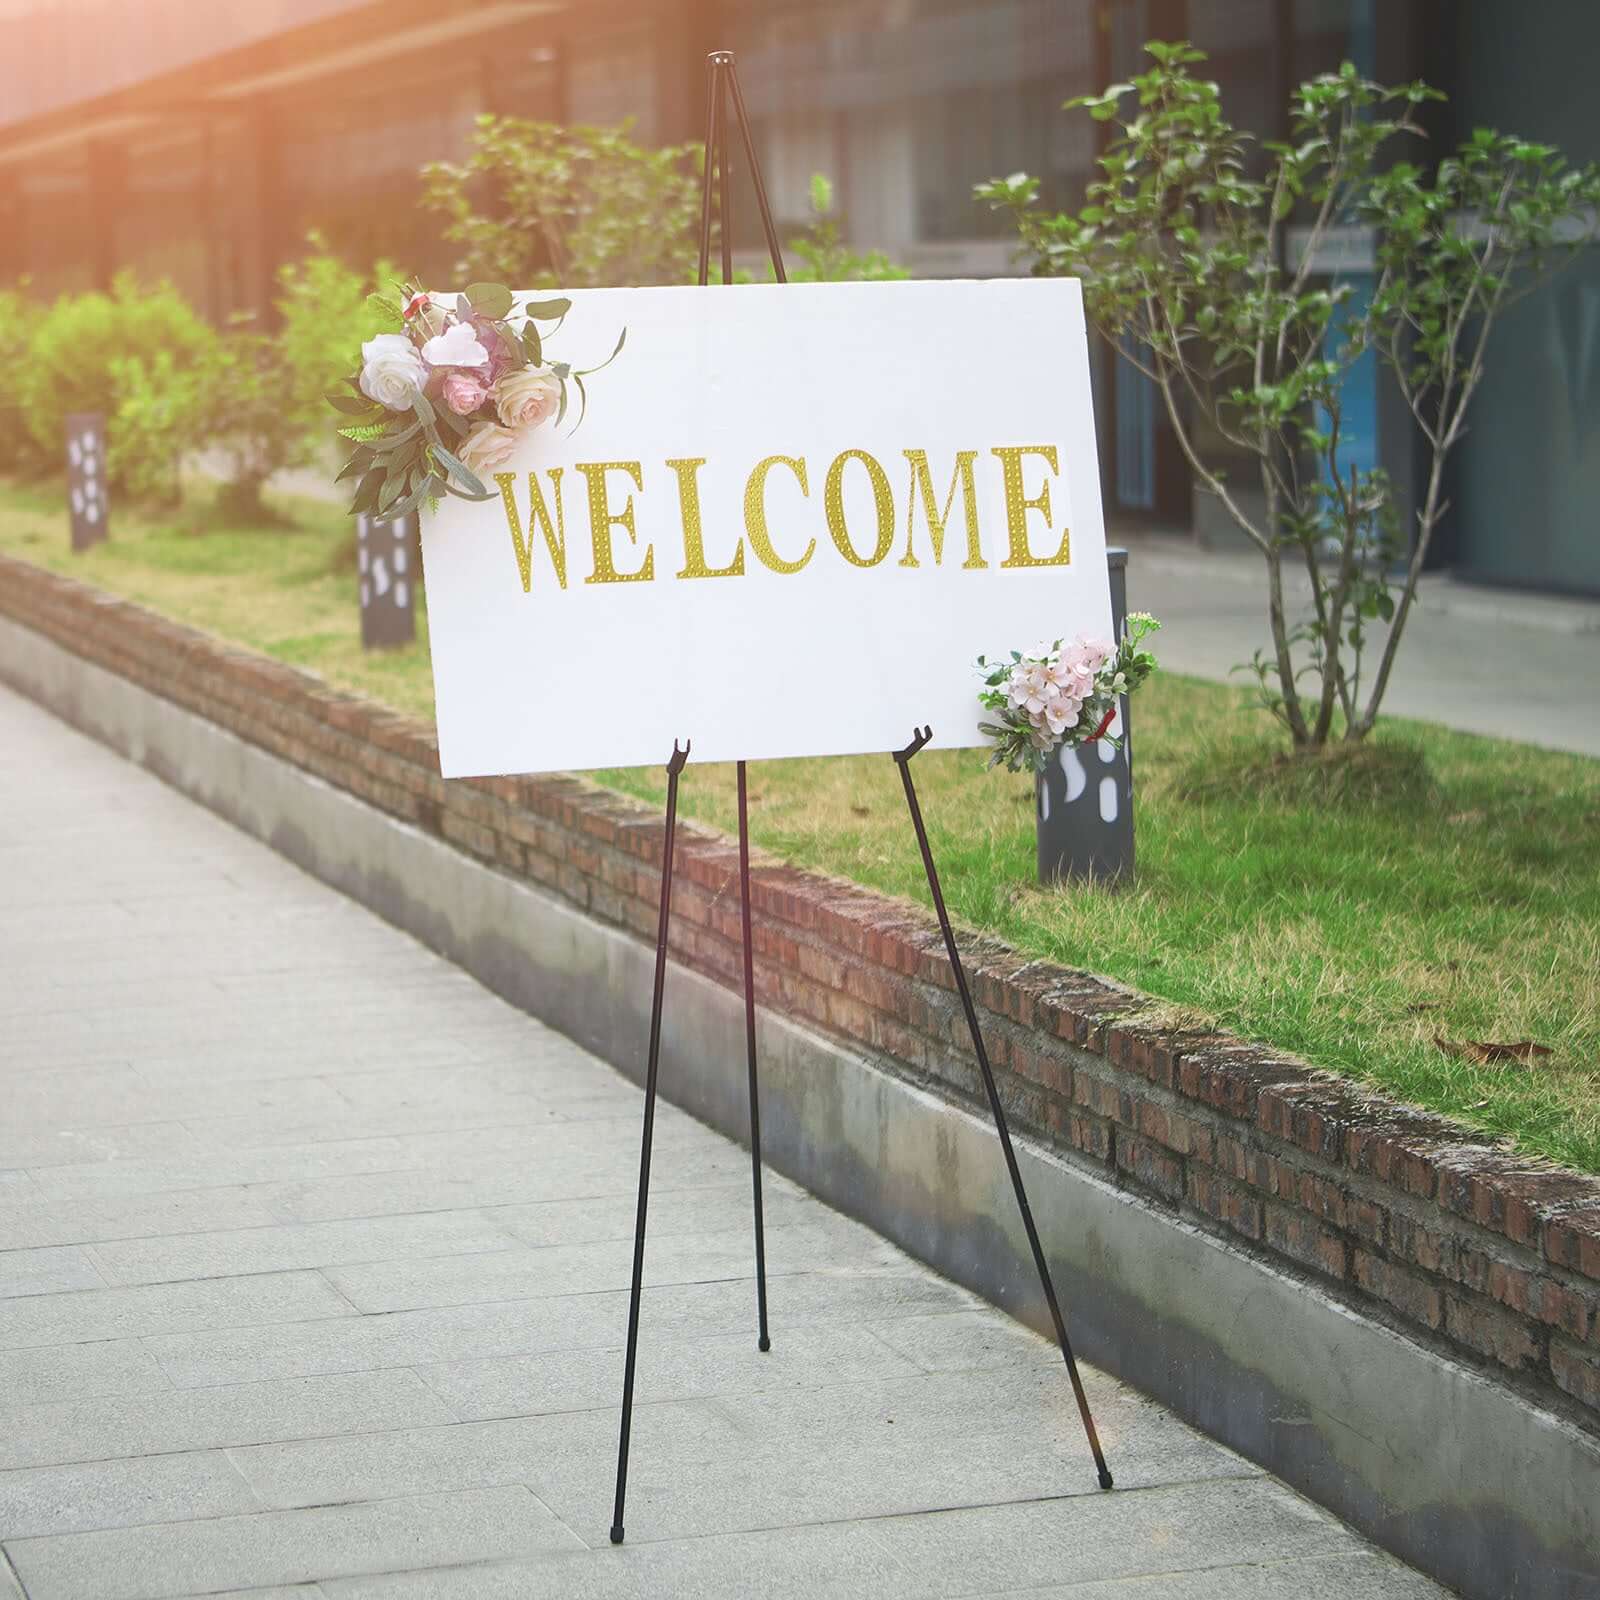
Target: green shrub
x,y
19,450
824,258
324,317
96,352
159,416
253,427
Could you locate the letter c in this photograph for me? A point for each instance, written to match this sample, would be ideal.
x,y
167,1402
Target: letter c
x,y
755,512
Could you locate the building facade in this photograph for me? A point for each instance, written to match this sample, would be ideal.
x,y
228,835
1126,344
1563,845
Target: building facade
x,y
202,144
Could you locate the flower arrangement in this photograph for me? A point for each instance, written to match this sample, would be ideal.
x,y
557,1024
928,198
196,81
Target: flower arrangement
x,y
443,402
1061,694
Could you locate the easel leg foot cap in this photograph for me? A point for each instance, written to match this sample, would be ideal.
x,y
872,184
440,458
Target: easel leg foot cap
x,y
1105,1478
763,1344
616,1533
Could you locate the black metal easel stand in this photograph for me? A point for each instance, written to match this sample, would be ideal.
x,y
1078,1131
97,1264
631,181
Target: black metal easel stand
x,y
920,737
723,84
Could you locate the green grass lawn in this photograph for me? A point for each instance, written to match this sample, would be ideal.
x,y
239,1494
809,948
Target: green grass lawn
x,y
1440,884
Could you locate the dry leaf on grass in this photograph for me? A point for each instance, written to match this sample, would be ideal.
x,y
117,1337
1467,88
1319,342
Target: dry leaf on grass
x,y
1485,1054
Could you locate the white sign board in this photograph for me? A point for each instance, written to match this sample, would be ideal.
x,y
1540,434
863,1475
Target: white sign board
x,y
790,520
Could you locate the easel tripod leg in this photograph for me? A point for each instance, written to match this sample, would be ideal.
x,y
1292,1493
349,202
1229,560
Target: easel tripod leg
x,y
762,1341
674,767
903,760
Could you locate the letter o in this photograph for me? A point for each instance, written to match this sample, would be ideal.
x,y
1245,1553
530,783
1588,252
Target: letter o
x,y
833,500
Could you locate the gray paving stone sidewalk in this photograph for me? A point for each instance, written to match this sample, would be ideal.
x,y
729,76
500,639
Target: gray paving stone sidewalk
x,y
313,1267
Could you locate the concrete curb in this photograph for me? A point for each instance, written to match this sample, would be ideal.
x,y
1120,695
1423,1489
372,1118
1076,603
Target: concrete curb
x,y
1455,1473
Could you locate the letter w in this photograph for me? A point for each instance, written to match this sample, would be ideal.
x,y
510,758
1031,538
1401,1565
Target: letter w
x,y
555,533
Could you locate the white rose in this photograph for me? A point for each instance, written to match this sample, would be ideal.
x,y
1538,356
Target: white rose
x,y
527,397
392,372
486,448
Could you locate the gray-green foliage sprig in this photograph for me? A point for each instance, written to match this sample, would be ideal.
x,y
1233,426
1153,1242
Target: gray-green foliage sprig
x,y
1209,280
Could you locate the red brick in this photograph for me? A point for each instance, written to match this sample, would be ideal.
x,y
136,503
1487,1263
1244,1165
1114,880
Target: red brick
x,y
1312,1115
1186,1136
469,835
1408,1294
1418,1242
1231,1204
1564,1308
1501,1335
1042,1067
1142,1050
1231,1077
1102,1097
1511,1287
1092,1135
1306,1240
1394,1153
1151,1166
1230,1156
1576,1371
1572,1240
1506,1195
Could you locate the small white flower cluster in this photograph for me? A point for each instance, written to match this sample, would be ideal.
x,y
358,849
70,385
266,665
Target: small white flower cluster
x,y
1050,684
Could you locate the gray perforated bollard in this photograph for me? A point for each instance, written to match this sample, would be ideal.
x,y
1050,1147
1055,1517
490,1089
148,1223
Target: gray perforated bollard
x,y
386,566
86,477
1084,800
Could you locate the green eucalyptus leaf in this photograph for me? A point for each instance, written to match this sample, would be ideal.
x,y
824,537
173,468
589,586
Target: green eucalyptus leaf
x,y
615,352
390,492
366,495
491,300
468,479
548,310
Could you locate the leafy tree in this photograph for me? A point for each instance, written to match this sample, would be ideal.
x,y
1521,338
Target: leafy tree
x,y
542,206
1187,269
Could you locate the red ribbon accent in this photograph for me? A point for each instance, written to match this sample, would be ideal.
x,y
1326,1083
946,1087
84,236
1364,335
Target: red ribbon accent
x,y
1105,722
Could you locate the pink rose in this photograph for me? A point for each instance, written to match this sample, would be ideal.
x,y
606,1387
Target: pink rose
x,y
527,397
487,447
464,392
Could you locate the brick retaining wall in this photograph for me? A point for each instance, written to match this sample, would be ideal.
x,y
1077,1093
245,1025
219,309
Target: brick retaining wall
x,y
1410,1216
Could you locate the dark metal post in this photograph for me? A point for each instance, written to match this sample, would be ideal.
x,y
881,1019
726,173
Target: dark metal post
x,y
903,760
723,80
762,1341
674,767
1084,799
